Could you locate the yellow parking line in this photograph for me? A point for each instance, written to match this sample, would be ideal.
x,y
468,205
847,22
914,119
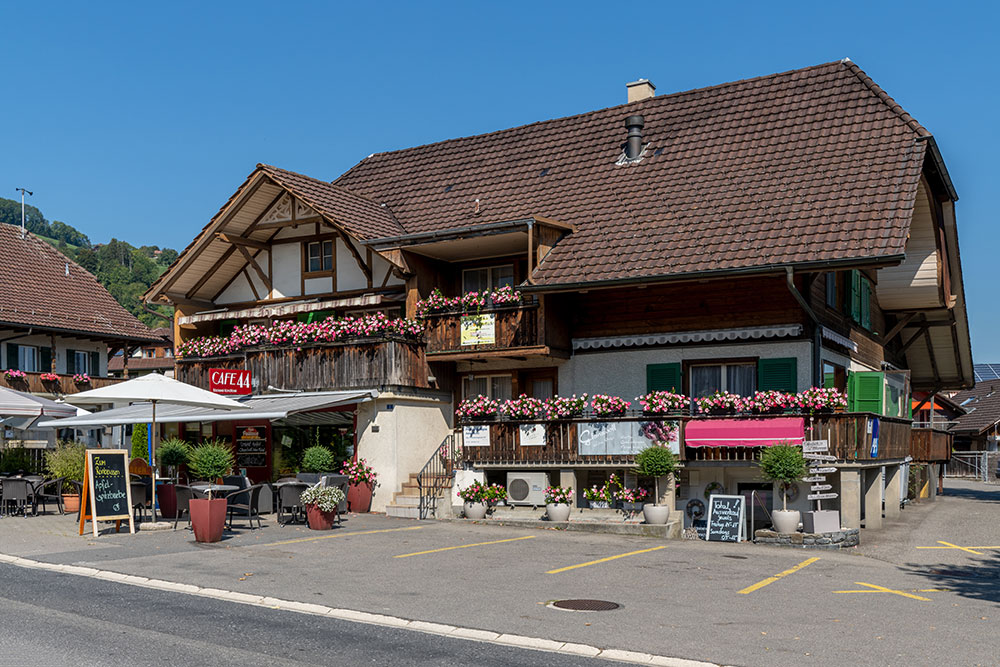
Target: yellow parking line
x,y
882,589
771,580
466,546
604,560
339,534
949,545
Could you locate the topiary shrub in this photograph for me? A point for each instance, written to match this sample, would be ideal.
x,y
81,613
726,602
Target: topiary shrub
x,y
140,448
173,453
211,460
784,464
656,462
317,459
68,459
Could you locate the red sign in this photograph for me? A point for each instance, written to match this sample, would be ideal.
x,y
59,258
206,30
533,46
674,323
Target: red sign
x,y
228,381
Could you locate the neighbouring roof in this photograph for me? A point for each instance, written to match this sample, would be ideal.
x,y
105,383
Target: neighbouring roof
x,y
982,405
812,165
116,363
40,287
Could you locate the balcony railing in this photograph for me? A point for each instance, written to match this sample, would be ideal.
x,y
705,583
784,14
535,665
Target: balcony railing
x,y
930,445
33,383
343,365
491,329
848,434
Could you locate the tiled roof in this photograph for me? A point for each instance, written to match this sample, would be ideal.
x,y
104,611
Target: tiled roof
x,y
115,363
41,287
812,165
362,217
982,404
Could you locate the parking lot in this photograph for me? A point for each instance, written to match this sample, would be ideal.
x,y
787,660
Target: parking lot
x,y
917,592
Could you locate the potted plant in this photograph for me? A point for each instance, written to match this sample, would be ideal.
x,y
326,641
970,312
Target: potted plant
x,y
15,376
49,377
720,403
68,460
609,406
316,460
321,504
663,402
632,500
81,380
557,502
565,407
601,498
656,462
786,465
478,498
210,461
172,454
362,485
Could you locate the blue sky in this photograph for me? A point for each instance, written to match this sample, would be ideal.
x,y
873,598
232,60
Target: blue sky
x,y
138,120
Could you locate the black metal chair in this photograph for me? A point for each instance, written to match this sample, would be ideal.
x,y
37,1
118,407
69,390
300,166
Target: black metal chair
x,y
41,496
245,503
289,499
184,496
17,495
139,499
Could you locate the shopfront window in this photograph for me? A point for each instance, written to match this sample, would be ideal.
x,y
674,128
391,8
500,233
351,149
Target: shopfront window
x,y
706,379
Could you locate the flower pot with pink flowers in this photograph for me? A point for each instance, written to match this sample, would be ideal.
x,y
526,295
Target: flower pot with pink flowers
x,y
362,479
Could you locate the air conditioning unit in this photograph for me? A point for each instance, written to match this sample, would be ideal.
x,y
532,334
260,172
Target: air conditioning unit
x,y
527,488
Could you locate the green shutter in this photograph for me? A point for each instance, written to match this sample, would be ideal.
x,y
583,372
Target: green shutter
x,y
855,295
866,304
95,364
778,374
70,362
663,377
829,380
12,356
864,391
45,359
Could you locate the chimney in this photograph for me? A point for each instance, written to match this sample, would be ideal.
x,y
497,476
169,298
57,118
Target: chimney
x,y
634,126
642,89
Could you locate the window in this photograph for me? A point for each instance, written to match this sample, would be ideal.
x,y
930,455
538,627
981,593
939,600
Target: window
x,y
81,361
739,378
831,289
319,256
497,387
861,300
492,277
27,358
834,376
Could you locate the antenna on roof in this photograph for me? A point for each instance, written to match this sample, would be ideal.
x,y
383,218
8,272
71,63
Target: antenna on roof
x,y
29,193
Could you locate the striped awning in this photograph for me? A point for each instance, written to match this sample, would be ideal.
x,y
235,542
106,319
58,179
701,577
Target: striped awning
x,y
745,432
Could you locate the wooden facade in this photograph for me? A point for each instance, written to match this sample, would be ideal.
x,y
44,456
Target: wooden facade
x,y
361,364
931,445
34,384
515,327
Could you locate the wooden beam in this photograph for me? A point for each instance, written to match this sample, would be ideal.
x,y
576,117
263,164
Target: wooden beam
x,y
289,223
906,319
240,240
368,263
179,300
253,288
252,261
365,269
920,330
930,354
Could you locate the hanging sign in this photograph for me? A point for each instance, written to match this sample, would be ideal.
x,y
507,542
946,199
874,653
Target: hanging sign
x,y
815,446
814,478
479,329
820,487
229,381
821,496
476,436
106,493
532,435
822,471
820,457
726,518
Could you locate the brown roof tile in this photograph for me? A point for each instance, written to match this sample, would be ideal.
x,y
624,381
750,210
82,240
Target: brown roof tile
x,y
41,287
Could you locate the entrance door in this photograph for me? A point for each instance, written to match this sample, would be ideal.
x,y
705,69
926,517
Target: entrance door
x,y
758,504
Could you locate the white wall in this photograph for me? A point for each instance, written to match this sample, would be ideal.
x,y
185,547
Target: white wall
x,y
408,435
349,274
622,372
62,345
287,279
237,292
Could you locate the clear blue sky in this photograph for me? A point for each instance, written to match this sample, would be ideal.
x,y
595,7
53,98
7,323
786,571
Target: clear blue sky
x,y
138,120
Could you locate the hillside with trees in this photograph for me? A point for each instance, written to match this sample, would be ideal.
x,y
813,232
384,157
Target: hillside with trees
x,y
124,270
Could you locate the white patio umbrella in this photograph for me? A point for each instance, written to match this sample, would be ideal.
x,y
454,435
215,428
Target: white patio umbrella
x,y
155,388
15,403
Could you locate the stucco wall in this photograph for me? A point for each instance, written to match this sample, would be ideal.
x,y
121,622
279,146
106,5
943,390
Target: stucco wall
x,y
62,345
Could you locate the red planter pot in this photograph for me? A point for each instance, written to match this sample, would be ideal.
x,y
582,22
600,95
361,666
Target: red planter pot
x,y
359,498
166,498
208,518
71,503
318,519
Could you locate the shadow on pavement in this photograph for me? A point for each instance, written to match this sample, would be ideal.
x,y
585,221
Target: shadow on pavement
x,y
980,494
977,581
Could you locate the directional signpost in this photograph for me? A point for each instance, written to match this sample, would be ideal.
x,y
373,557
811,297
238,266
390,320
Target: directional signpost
x,y
821,496
815,452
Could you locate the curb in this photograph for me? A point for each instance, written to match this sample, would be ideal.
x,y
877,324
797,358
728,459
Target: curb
x,y
467,634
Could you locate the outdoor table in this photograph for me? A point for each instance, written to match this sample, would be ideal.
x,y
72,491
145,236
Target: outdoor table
x,y
216,488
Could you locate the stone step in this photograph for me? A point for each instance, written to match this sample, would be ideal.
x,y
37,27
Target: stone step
x,y
409,501
402,511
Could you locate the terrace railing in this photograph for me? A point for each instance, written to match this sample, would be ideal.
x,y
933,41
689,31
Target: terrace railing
x,y
64,384
930,445
502,328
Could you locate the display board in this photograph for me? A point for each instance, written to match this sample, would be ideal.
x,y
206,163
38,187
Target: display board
x,y
251,446
106,493
626,437
478,329
726,518
476,436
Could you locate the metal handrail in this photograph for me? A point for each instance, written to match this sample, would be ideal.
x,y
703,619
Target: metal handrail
x,y
437,474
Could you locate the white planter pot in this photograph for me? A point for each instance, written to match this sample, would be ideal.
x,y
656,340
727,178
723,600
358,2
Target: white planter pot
x,y
657,515
785,521
475,510
557,511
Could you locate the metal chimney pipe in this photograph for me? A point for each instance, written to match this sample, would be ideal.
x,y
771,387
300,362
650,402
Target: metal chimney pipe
x,y
634,125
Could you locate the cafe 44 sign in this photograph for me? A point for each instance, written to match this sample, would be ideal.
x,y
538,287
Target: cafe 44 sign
x,y
229,381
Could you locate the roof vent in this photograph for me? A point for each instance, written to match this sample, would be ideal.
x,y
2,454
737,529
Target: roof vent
x,y
640,90
634,125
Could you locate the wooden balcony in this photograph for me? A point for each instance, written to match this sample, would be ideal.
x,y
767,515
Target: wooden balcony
x,y
502,331
847,433
64,385
929,445
348,365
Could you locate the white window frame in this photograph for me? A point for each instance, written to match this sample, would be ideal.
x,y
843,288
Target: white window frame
x,y
36,358
322,256
723,365
84,368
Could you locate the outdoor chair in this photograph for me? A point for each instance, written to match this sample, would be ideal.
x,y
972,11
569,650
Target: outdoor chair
x,y
289,501
198,493
16,495
342,505
245,503
41,496
139,499
184,496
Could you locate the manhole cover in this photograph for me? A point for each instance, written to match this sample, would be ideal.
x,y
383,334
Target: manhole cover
x,y
585,605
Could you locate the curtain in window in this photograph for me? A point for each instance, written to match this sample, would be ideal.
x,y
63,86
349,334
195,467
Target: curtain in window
x,y
473,386
741,379
705,380
501,388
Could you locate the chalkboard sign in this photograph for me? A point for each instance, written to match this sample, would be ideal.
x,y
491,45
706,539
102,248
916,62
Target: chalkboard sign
x,y
251,460
726,518
251,446
626,437
106,488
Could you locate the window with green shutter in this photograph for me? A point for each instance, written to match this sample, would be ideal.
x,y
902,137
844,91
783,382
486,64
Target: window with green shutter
x,y
12,354
855,295
663,377
865,391
70,362
777,374
45,356
866,304
95,364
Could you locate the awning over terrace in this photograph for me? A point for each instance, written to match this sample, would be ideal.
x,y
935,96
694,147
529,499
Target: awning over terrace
x,y
285,309
745,432
261,408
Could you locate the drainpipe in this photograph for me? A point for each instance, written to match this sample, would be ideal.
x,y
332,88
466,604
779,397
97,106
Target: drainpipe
x,y
817,370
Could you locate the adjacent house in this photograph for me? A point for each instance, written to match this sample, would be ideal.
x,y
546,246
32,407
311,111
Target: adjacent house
x,y
154,357
57,324
791,231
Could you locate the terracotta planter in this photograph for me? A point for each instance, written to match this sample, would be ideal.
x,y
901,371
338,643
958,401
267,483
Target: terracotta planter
x,y
475,510
557,511
166,499
318,519
208,518
657,515
359,498
71,503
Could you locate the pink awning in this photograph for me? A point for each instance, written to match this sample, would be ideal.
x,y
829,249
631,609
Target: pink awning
x,y
745,432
